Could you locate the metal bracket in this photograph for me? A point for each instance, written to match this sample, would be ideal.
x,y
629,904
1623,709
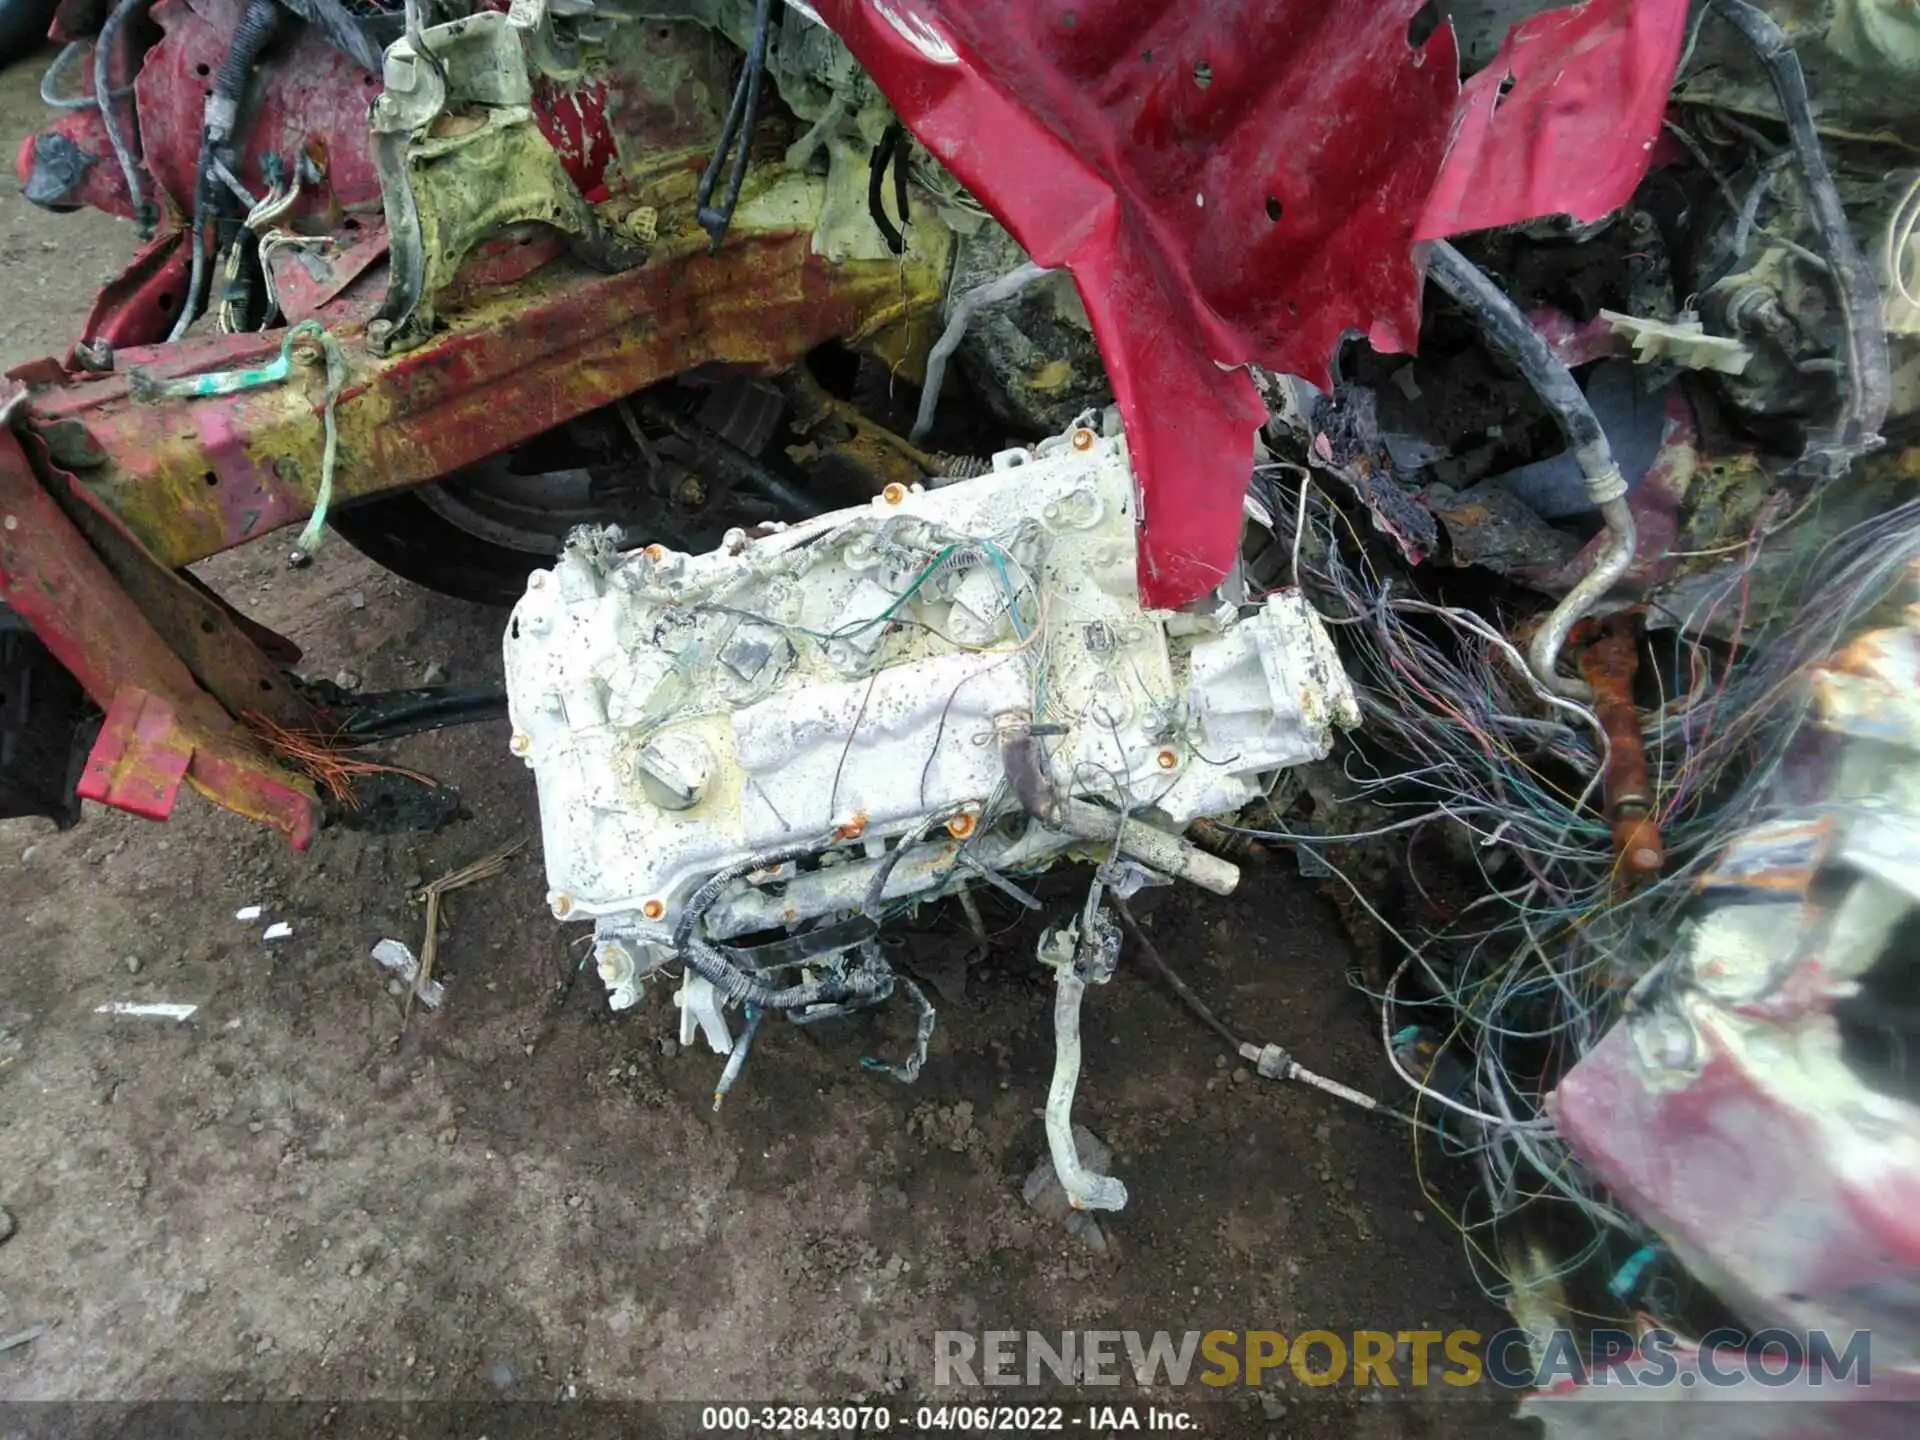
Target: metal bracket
x,y
460,156
162,726
140,758
553,57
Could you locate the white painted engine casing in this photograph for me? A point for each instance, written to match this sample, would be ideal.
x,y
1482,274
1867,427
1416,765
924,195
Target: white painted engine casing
x,y
683,713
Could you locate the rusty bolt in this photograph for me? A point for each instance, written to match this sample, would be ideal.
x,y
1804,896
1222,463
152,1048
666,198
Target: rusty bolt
x,y
894,493
653,909
1083,439
1167,760
520,743
655,552
853,829
961,825
561,904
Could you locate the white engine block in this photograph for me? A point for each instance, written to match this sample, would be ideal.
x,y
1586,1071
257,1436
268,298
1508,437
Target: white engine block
x,y
841,682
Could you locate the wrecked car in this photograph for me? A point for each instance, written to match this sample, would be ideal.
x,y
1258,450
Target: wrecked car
x,y
1463,448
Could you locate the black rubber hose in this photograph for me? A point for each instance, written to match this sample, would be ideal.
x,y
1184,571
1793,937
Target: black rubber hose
x,y
884,872
1864,408
742,115
410,712
1180,987
1513,336
890,154
257,27
871,981
1509,333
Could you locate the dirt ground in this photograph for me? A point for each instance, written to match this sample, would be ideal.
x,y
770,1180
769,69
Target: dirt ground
x,y
523,1196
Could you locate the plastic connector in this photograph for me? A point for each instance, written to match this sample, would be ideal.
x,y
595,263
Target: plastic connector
x,y
1270,1062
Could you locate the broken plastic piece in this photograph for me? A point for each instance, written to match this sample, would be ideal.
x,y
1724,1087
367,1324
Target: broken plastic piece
x,y
1684,342
395,956
247,912
699,1002
279,930
155,1010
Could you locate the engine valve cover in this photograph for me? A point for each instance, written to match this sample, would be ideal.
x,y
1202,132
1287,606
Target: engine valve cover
x,y
840,683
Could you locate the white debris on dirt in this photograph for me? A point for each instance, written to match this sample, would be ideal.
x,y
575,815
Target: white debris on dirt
x,y
279,930
398,957
146,1009
247,912
22,1337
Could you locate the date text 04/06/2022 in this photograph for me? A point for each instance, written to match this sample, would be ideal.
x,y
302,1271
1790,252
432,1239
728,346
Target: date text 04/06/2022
x,y
963,1419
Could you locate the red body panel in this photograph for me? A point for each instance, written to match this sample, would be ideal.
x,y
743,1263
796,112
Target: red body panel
x,y
1243,182
1564,120
1238,184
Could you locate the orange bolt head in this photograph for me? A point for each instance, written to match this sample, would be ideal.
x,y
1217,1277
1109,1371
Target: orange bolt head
x,y
1083,439
1167,759
894,493
653,909
961,825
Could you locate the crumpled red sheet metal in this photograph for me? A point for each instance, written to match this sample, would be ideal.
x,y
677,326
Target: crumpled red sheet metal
x,y
1563,121
1229,182
1237,181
